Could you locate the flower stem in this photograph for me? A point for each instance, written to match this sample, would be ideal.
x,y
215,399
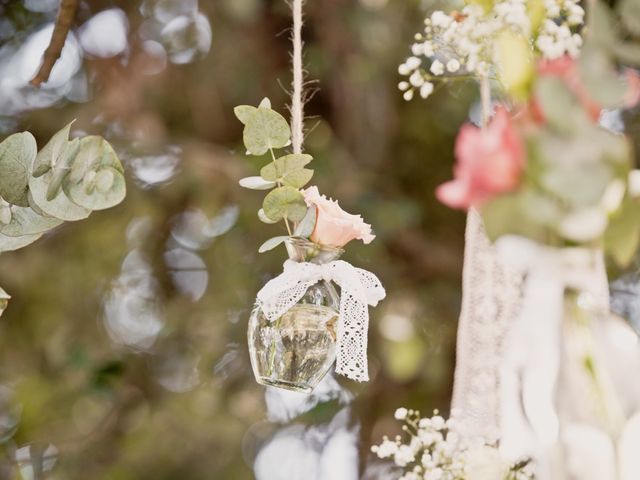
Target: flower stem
x,y
279,184
485,98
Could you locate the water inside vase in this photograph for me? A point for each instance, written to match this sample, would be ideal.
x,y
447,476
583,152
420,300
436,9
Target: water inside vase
x,y
296,350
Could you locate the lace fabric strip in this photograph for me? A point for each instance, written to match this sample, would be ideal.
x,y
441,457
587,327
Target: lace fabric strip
x,y
491,299
359,289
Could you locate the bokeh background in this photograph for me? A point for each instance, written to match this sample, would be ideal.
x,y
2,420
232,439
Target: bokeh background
x,y
123,351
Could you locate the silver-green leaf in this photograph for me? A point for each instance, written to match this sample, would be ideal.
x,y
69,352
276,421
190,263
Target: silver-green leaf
x,y
285,202
50,153
265,130
308,224
105,189
271,244
280,167
245,113
24,221
256,183
264,219
17,153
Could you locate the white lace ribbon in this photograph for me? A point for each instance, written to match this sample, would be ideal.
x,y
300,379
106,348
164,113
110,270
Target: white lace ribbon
x,y
531,358
359,289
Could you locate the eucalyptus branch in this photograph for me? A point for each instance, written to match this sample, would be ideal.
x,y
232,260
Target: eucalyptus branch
x,y
64,19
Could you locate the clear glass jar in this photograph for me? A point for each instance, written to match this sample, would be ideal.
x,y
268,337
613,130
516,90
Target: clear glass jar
x,y
296,350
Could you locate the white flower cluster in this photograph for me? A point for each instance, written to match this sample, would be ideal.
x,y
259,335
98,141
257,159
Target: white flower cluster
x,y
462,43
435,451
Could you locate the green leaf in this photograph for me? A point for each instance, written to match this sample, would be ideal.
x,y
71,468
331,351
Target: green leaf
x,y
524,213
600,77
276,170
299,178
49,155
627,53
537,12
622,237
24,221
265,103
5,214
285,202
256,183
95,154
515,63
59,207
62,167
630,15
264,219
9,244
244,113
271,244
308,224
101,190
17,153
559,106
603,27
266,129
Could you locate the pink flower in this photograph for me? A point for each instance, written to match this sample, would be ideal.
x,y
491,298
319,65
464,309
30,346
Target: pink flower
x,y
335,227
488,162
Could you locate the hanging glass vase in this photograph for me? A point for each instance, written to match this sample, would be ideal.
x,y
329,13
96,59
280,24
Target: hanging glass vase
x,y
297,349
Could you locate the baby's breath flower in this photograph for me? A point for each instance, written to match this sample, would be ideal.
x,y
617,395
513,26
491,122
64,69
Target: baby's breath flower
x,y
464,42
436,451
403,86
408,95
426,89
437,68
401,414
413,62
416,79
453,65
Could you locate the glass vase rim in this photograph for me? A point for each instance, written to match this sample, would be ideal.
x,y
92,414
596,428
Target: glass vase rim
x,y
302,242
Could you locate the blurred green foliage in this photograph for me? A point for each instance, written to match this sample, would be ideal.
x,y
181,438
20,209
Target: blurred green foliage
x,y
180,401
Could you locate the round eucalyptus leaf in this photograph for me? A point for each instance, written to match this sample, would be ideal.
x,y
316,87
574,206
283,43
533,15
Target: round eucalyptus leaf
x,y
48,156
264,219
244,113
285,202
60,206
265,129
24,221
285,165
298,178
9,244
17,153
95,153
5,214
106,189
62,167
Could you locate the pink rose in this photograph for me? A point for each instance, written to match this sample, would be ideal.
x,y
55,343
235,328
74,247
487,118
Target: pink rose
x,y
488,162
335,227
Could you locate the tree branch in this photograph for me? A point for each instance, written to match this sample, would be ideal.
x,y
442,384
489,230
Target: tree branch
x,y
64,19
